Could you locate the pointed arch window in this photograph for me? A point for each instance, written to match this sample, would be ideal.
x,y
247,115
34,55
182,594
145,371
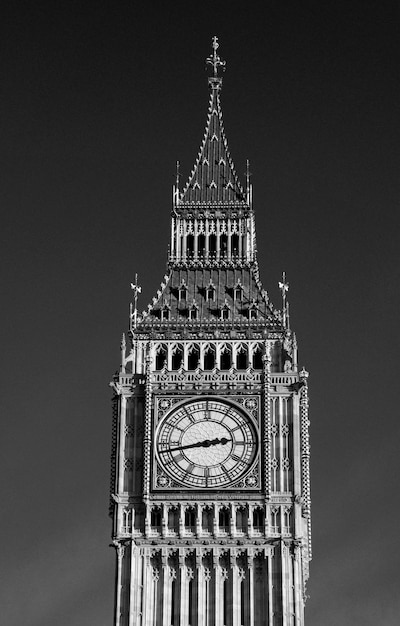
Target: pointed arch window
x,y
201,244
258,518
226,358
209,358
177,357
190,518
238,292
161,357
253,312
190,245
212,243
257,357
241,358
225,312
165,314
223,242
223,519
193,357
235,244
182,292
155,518
193,313
210,292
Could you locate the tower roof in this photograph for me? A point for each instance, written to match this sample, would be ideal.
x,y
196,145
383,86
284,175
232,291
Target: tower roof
x,y
213,178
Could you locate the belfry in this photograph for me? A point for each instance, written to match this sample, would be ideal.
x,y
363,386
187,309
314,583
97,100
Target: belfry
x,y
210,487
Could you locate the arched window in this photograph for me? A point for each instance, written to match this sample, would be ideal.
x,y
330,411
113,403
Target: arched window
x,y
252,313
210,292
258,518
223,244
209,358
235,244
190,518
257,358
193,313
241,358
241,519
161,357
177,357
190,245
164,314
226,358
238,292
225,312
223,519
156,517
212,243
182,292
193,357
201,244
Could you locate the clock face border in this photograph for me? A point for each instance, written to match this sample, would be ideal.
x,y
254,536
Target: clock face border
x,y
244,407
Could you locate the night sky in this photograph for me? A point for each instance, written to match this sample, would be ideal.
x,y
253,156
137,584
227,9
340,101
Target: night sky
x,y
98,101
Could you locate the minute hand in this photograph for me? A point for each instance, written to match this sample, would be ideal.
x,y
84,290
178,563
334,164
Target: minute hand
x,y
202,444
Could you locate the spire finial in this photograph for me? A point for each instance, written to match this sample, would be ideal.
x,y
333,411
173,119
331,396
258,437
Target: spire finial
x,y
136,290
284,287
216,62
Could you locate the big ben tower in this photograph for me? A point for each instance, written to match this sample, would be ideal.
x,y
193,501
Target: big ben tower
x,y
210,458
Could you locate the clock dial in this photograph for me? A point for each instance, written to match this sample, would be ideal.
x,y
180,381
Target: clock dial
x,y
207,443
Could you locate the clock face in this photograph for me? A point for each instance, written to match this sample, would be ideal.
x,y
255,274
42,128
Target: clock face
x,y
206,443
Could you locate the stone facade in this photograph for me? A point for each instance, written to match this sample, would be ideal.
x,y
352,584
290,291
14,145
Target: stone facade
x,y
210,493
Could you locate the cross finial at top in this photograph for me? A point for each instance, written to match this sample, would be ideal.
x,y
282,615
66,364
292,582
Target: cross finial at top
x,y
214,59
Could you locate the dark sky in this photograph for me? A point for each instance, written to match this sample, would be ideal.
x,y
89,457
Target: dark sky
x,y
98,100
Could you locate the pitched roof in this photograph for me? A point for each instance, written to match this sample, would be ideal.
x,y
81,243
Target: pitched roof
x,y
213,178
185,289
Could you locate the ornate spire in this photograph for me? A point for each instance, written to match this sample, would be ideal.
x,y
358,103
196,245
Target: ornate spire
x,y
213,178
216,62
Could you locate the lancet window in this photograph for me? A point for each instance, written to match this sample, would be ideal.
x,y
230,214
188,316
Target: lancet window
x,y
193,312
210,292
225,312
209,358
193,356
241,358
238,292
223,519
190,245
241,519
235,244
258,518
190,518
177,357
257,358
164,314
155,517
161,357
212,244
182,292
223,243
226,357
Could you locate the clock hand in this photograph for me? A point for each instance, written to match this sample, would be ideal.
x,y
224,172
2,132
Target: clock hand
x,y
200,444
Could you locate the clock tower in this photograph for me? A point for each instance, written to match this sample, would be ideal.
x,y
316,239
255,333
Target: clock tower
x,y
210,491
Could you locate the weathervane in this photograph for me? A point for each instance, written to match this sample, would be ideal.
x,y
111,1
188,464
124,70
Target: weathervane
x,y
216,62
284,287
136,290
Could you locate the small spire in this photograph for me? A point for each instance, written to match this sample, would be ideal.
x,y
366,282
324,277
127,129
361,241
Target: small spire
x,y
284,287
133,313
216,62
248,174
